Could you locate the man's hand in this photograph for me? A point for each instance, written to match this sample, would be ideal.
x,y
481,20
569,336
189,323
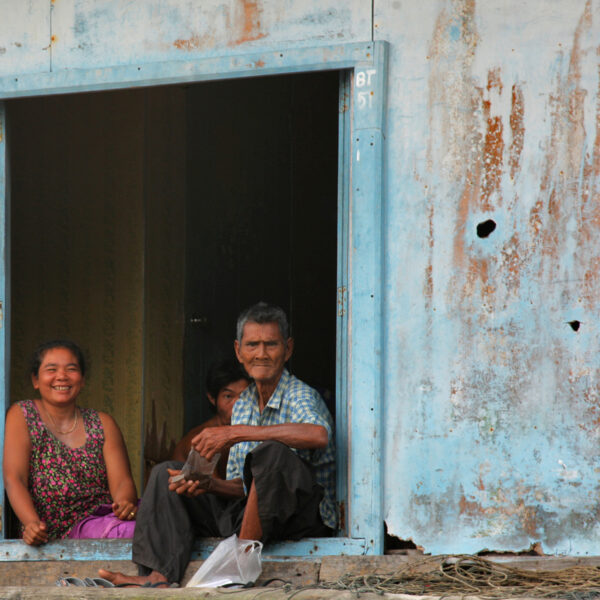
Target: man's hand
x,y
184,487
35,533
212,440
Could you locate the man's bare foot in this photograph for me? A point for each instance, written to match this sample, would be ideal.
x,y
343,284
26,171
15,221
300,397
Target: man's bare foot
x,y
121,579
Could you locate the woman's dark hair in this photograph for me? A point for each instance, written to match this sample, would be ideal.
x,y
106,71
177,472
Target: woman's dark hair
x,y
40,351
222,373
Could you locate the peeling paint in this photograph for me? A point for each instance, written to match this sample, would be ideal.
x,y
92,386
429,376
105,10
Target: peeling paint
x,y
492,161
248,22
497,149
494,80
517,128
428,291
193,43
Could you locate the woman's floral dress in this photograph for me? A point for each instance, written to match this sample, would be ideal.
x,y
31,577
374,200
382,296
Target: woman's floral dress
x,y
66,484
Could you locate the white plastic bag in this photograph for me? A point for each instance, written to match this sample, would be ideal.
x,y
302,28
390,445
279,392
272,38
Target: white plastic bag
x,y
232,561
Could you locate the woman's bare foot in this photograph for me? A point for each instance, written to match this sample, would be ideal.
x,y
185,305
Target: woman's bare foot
x,y
121,579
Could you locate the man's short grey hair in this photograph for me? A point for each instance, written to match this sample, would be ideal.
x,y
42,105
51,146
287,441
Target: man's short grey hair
x,y
263,313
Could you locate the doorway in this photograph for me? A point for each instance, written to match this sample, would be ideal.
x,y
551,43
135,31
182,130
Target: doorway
x,y
362,93
143,221
261,220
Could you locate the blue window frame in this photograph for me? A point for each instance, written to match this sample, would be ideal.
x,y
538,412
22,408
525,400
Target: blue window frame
x,y
360,275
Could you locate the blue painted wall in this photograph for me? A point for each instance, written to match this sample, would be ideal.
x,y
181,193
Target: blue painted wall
x,y
490,397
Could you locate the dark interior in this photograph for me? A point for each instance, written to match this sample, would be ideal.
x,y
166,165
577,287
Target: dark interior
x,y
142,221
261,219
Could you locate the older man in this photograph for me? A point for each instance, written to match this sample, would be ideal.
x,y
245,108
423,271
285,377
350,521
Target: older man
x,y
280,473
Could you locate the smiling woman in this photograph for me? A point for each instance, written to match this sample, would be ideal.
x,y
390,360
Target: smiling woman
x,y
67,473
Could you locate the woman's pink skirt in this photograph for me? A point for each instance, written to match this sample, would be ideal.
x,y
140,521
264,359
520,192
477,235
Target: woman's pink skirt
x,y
102,524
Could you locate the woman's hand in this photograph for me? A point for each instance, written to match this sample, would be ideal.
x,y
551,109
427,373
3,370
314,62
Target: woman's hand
x,y
188,488
124,510
35,533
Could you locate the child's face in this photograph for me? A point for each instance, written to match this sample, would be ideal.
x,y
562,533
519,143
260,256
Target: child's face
x,y
227,397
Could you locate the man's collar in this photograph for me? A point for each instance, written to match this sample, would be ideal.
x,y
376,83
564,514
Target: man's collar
x,y
275,399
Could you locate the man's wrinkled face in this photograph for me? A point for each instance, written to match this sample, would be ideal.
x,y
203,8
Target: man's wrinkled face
x,y
263,351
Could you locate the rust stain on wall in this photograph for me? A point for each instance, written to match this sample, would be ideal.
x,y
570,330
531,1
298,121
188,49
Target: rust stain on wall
x,y
466,199
492,160
567,189
591,398
484,177
480,268
595,171
247,22
590,196
194,42
478,278
450,89
527,515
469,508
576,95
428,291
517,128
512,261
591,282
467,138
494,80
529,519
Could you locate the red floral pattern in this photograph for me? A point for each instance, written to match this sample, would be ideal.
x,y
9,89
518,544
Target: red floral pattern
x,y
66,484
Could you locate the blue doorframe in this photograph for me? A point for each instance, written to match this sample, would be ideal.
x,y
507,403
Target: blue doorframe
x,y
365,302
361,249
4,287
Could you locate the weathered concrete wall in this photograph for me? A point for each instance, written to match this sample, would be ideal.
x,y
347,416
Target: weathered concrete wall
x,y
492,397
39,35
491,343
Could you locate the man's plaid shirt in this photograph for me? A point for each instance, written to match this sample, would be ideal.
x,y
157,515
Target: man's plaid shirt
x,y
293,401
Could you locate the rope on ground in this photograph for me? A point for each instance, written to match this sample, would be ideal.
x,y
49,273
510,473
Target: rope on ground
x,y
461,575
466,575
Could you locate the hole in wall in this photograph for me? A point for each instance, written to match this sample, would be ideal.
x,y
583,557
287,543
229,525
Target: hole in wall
x,y
535,549
485,228
575,325
394,545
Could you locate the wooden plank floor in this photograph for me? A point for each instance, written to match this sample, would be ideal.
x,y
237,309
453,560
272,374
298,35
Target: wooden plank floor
x,y
45,573
24,580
